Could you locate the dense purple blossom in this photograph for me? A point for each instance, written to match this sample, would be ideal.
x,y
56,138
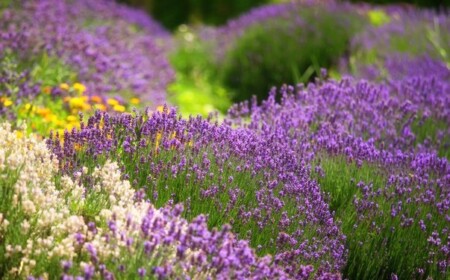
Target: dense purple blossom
x,y
381,114
373,124
199,251
391,49
110,46
284,194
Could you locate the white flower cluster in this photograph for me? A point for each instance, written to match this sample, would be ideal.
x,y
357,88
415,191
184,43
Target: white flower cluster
x,y
44,216
51,214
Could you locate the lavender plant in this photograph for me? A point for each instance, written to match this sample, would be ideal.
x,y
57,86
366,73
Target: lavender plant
x,y
388,191
406,33
234,176
47,230
112,47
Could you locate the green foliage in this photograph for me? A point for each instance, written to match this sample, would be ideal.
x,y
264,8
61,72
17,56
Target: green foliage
x,y
11,214
378,244
284,51
434,132
50,71
196,89
378,17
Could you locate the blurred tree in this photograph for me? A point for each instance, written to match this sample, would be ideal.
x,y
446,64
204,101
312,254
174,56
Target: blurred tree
x,y
172,13
437,4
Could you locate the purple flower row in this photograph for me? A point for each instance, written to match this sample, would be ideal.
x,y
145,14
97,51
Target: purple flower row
x,y
253,181
112,48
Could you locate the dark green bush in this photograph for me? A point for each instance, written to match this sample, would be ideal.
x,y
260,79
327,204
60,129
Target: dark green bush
x,y
286,50
421,3
172,13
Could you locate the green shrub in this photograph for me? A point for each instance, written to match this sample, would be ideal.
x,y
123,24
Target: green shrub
x,y
288,50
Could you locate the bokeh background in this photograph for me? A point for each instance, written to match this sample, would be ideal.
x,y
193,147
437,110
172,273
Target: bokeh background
x,y
172,13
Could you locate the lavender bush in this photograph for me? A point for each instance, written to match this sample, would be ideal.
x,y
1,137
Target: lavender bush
x,y
257,185
111,47
52,226
387,187
405,33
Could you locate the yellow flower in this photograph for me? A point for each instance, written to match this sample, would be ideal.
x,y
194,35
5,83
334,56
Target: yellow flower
x,y
60,123
7,102
71,126
51,118
112,102
157,139
64,86
79,87
27,109
135,101
100,107
78,102
160,108
19,134
72,118
119,108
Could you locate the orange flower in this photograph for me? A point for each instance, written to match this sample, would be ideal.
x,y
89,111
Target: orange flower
x,y
47,90
77,147
96,99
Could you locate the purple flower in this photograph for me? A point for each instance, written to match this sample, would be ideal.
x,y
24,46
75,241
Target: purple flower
x,y
141,272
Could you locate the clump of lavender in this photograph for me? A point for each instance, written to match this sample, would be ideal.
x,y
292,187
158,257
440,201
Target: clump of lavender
x,y
52,226
111,51
386,114
358,138
256,184
406,33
